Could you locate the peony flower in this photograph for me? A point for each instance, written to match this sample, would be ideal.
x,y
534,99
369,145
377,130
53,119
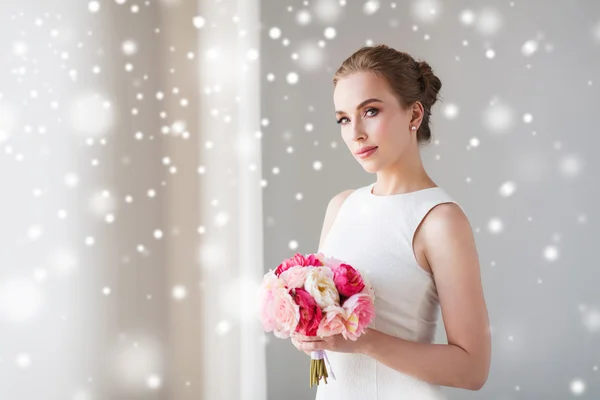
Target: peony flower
x,y
310,313
295,277
264,297
348,280
331,262
315,260
321,258
298,260
319,283
369,290
360,311
332,322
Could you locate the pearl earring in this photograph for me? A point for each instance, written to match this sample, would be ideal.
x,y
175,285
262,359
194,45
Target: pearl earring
x,y
414,128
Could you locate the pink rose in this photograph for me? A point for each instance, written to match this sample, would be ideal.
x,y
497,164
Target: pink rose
x,y
295,277
332,322
348,280
276,308
265,298
360,311
298,259
286,312
310,313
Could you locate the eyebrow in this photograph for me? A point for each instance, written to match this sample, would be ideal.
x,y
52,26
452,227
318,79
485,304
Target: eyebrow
x,y
364,103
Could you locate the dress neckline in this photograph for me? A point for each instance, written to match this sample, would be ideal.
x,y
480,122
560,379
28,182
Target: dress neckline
x,y
376,196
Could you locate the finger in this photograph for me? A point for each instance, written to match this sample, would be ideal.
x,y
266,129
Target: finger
x,y
311,346
295,343
304,338
313,339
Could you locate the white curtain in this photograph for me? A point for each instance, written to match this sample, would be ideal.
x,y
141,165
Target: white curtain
x,y
131,239
231,249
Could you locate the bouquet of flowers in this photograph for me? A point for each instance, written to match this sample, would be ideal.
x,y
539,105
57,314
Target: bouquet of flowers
x,y
315,295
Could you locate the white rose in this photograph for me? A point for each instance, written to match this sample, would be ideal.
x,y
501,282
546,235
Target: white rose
x,y
319,283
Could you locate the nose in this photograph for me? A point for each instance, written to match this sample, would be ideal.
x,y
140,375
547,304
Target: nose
x,y
358,132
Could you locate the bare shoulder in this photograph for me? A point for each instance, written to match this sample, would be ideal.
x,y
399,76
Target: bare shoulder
x,y
445,228
337,200
444,216
331,212
452,255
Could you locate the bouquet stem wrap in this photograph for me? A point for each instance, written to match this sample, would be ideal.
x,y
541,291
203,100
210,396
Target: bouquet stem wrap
x,y
318,369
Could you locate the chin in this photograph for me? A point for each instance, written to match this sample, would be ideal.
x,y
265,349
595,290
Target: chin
x,y
369,167
371,164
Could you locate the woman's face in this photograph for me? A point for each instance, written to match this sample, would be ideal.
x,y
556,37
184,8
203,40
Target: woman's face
x,y
370,115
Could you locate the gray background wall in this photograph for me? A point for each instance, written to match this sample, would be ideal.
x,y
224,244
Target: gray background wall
x,y
530,189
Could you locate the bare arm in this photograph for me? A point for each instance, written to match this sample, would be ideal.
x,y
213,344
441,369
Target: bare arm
x,y
465,361
331,212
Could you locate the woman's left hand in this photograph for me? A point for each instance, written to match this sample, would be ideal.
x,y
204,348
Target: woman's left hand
x,y
332,343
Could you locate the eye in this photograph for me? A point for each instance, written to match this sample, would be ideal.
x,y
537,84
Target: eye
x,y
374,110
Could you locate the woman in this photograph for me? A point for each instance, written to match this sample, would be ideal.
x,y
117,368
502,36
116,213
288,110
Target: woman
x,y
409,237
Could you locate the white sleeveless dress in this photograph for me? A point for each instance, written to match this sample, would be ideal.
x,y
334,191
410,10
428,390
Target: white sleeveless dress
x,y
374,234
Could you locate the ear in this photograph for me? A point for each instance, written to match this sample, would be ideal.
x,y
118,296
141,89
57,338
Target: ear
x,y
417,114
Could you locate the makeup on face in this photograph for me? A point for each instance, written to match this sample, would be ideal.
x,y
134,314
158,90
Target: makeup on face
x,y
367,153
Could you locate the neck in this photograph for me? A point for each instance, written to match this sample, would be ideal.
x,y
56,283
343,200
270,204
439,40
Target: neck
x,y
406,175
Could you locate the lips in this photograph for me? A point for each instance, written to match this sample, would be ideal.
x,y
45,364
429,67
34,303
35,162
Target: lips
x,y
365,149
